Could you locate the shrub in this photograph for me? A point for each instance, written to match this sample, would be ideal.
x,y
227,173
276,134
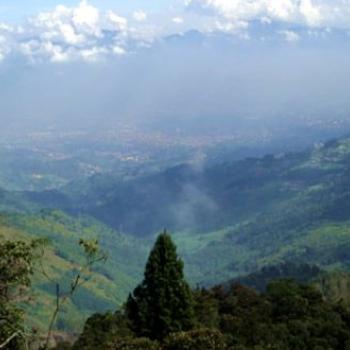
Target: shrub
x,y
136,344
202,339
102,330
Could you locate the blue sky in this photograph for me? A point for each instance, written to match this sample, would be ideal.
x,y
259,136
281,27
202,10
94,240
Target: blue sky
x,y
17,10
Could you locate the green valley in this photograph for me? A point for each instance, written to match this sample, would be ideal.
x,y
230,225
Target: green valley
x,y
228,220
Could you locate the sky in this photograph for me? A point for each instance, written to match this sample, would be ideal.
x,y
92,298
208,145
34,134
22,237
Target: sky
x,y
17,10
169,60
61,31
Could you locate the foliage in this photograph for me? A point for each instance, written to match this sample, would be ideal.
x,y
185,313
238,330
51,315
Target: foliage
x,y
230,218
235,217
309,320
64,346
136,344
82,274
16,268
206,309
259,280
162,303
110,283
288,316
245,316
200,339
101,330
111,331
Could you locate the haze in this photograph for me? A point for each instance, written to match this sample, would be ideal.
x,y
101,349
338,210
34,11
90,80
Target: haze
x,y
177,65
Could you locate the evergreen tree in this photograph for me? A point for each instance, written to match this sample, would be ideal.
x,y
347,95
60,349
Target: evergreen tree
x,y
162,303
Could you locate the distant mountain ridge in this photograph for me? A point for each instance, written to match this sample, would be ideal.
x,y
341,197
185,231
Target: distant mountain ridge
x,y
202,199
228,220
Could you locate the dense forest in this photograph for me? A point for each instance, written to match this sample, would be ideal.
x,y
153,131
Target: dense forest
x,y
164,313
242,214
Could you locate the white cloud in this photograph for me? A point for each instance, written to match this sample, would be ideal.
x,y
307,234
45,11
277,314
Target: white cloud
x,y
140,16
4,50
118,23
278,9
86,18
311,13
245,9
93,54
237,27
178,20
6,40
86,33
308,12
55,52
290,36
70,35
119,50
4,27
265,20
74,33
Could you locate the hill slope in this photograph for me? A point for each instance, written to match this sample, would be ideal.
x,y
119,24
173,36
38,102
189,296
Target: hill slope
x,y
110,282
228,220
206,198
233,218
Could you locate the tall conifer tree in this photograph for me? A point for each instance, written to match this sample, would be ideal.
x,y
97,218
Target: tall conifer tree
x,y
162,303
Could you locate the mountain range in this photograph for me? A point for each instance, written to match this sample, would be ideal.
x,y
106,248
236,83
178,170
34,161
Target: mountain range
x,y
228,219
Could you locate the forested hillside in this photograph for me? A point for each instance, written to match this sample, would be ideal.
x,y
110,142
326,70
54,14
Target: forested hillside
x,y
228,220
110,282
242,215
203,198
163,313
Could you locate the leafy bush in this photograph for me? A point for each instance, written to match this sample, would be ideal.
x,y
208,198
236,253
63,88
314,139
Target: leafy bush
x,y
136,344
63,346
206,309
202,339
16,268
101,331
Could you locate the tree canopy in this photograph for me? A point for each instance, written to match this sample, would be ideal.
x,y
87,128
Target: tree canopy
x,y
162,303
16,267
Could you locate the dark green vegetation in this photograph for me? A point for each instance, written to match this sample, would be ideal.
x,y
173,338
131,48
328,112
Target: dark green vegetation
x,y
110,283
162,303
16,268
216,197
235,217
259,280
171,316
288,315
229,220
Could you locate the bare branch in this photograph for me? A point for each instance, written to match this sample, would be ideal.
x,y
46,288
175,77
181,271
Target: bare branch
x,y
93,256
8,340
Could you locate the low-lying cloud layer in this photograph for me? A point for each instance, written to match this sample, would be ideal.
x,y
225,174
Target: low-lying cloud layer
x,y
308,12
86,33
